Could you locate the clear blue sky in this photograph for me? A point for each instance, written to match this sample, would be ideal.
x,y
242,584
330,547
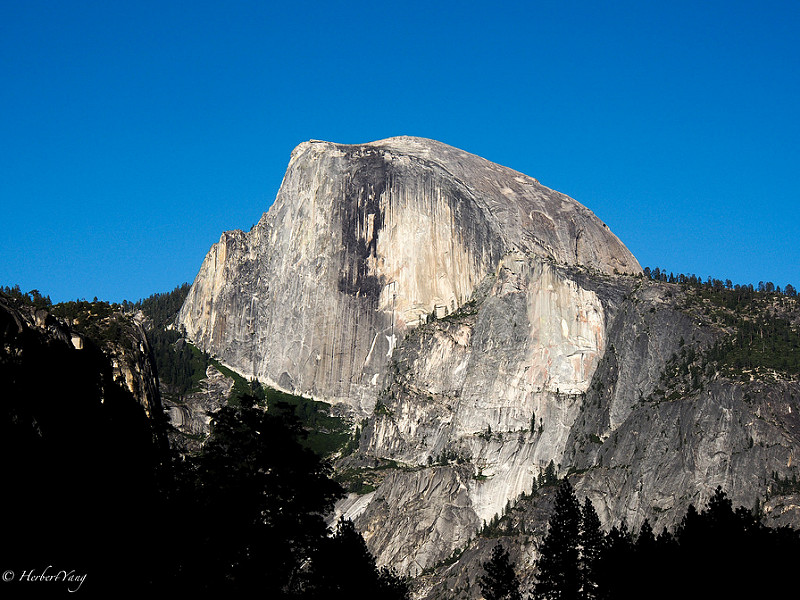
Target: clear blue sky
x,y
134,133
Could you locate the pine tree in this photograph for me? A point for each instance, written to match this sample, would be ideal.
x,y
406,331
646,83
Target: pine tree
x,y
646,540
261,498
615,563
592,540
548,476
644,569
500,580
343,567
559,573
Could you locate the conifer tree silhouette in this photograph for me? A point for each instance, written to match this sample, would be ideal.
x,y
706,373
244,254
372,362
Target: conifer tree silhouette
x,y
499,581
559,571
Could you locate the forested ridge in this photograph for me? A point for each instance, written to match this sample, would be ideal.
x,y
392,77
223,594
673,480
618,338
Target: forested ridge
x,y
181,366
759,325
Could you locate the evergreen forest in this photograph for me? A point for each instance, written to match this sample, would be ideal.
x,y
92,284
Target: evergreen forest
x,y
718,551
761,331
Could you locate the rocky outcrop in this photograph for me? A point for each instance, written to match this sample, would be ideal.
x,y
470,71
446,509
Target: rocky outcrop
x,y
363,243
133,363
627,438
481,327
121,339
496,386
190,414
79,446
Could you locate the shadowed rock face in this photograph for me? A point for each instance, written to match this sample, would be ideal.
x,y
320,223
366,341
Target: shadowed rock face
x,y
364,242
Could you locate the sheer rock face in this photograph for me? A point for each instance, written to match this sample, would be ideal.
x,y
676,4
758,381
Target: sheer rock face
x,y
477,319
477,388
362,244
460,296
501,388
493,389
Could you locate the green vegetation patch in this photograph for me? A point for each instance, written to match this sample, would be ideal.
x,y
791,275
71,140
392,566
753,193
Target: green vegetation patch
x,y
161,308
181,366
761,343
326,434
760,327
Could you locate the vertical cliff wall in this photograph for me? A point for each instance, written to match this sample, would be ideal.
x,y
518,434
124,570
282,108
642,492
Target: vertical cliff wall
x,y
480,401
481,326
366,241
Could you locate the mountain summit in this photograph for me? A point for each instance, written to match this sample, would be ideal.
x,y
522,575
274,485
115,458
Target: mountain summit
x,y
489,334
365,241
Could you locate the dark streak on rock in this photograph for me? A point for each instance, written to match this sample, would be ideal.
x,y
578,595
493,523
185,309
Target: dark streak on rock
x,y
363,186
